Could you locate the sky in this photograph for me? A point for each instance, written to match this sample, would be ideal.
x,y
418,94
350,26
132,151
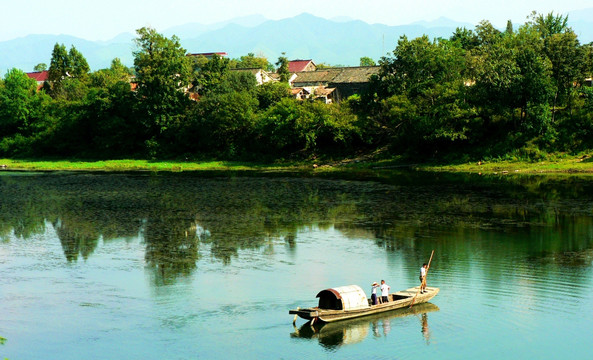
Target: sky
x,y
105,19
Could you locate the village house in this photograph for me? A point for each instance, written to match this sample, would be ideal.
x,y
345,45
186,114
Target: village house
x,y
39,76
328,85
300,93
261,76
335,84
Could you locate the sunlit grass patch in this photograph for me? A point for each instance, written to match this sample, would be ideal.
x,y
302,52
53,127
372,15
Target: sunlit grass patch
x,y
558,163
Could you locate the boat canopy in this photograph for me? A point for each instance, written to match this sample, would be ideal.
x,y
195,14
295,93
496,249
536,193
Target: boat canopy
x,y
350,297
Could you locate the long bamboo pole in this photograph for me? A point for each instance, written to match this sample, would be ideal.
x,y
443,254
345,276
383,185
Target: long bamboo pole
x,y
423,280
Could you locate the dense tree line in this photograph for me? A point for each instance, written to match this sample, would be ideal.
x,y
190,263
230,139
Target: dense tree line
x,y
482,93
486,93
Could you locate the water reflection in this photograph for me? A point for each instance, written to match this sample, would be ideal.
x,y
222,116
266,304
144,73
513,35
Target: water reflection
x,y
336,334
76,239
171,247
425,328
544,219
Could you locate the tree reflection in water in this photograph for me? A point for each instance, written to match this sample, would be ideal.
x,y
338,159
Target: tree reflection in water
x,y
175,214
171,248
76,239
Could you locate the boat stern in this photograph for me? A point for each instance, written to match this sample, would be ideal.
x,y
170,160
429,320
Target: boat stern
x,y
307,314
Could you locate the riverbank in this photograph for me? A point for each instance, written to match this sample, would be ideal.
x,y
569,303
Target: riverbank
x,y
136,165
582,163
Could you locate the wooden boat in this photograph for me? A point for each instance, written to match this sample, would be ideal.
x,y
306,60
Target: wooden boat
x,y
347,302
358,329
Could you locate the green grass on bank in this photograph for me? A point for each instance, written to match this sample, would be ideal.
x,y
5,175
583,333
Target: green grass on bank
x,y
555,163
135,165
581,163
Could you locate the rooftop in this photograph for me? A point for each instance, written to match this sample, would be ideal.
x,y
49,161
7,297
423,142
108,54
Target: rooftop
x,y
298,65
355,74
39,75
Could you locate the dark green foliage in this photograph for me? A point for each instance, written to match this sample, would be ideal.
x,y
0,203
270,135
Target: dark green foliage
x,y
209,75
421,101
60,63
67,74
270,93
78,64
162,72
23,112
291,126
222,124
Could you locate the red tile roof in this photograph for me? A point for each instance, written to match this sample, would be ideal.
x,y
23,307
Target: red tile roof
x,y
39,75
298,65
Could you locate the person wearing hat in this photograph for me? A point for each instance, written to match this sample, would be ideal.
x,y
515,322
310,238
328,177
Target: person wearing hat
x,y
374,293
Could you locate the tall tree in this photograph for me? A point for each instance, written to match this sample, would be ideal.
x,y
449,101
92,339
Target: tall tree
x,y
58,68
509,28
282,68
495,77
162,73
67,73
420,93
24,113
568,59
209,76
79,67
487,34
15,101
536,88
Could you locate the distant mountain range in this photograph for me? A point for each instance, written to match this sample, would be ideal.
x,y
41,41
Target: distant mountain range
x,y
339,41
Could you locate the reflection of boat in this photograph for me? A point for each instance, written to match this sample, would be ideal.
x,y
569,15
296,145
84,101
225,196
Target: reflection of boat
x,y
356,330
347,302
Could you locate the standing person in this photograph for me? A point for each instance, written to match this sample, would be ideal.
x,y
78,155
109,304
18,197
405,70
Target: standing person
x,y
374,293
384,291
423,271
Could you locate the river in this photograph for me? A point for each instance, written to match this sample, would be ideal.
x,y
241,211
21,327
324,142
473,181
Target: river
x,y
188,266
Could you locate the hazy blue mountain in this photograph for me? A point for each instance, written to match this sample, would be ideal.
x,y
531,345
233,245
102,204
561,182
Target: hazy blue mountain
x,y
26,52
339,41
191,30
309,37
120,39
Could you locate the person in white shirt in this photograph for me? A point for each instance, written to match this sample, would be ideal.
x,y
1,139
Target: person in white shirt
x,y
423,270
384,291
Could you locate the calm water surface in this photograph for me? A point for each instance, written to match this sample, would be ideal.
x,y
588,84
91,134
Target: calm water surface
x,y
139,266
